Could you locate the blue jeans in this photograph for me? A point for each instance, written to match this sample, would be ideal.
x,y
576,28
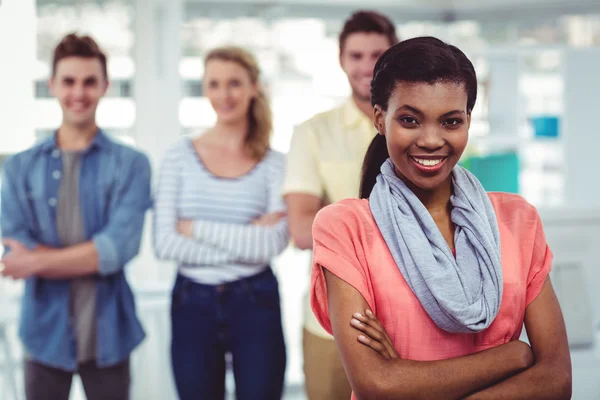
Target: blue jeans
x,y
242,318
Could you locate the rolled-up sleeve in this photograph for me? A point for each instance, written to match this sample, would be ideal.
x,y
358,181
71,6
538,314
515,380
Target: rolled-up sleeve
x,y
119,241
339,248
541,261
108,256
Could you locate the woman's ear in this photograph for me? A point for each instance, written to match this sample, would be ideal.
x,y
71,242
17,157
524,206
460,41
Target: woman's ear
x,y
379,119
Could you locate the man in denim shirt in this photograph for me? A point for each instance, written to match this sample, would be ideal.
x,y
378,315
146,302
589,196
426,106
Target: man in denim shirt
x,y
73,210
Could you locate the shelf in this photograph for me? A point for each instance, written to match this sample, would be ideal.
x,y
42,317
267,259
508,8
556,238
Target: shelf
x,y
510,141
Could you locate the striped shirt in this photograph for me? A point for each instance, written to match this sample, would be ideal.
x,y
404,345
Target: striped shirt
x,y
225,245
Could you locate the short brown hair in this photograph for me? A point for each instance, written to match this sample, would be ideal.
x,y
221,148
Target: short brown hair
x,y
368,22
74,45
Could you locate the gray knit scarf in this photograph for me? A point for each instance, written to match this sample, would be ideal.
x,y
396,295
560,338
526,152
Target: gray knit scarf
x,y
461,294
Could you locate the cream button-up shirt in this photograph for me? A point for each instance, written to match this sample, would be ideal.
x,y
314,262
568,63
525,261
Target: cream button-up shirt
x,y
325,159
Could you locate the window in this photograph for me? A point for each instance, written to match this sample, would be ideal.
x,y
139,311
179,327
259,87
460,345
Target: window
x,y
120,88
192,88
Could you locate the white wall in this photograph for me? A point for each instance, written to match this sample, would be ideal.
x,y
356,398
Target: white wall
x,y
18,47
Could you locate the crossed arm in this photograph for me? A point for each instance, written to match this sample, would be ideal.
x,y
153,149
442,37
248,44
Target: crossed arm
x,y
212,243
106,253
258,242
302,210
512,370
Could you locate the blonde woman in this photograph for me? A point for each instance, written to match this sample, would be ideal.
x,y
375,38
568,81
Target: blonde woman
x,y
220,216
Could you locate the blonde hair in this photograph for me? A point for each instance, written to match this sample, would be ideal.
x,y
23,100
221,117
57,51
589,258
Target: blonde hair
x,y
259,115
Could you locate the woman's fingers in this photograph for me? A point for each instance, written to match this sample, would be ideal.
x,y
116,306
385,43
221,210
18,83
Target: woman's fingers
x,y
269,219
375,330
371,322
376,323
368,330
377,346
374,339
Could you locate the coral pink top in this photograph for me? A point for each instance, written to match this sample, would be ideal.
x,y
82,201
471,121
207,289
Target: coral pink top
x,y
348,243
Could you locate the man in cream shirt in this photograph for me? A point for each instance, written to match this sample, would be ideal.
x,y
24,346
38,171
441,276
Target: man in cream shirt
x,y
323,166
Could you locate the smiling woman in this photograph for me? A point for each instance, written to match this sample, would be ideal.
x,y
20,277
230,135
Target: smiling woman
x,y
219,214
426,281
425,138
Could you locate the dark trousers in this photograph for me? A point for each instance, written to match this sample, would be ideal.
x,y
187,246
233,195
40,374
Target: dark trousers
x,y
242,318
47,383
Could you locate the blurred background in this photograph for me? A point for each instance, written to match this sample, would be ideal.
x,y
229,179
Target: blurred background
x,y
535,129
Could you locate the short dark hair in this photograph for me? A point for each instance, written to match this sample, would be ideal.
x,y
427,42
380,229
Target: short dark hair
x,y
74,45
422,59
368,22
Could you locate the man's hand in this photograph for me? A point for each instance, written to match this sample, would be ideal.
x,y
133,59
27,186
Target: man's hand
x,y
20,263
185,227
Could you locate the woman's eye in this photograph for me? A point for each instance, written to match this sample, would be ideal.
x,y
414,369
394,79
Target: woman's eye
x,y
453,122
408,120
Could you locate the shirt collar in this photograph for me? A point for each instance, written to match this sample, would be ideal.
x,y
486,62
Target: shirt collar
x,y
352,114
100,141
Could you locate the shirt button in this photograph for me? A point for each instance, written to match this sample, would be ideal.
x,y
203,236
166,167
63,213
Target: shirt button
x,y
56,153
56,174
52,202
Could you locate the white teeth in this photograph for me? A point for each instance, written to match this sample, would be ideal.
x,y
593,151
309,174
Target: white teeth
x,y
427,162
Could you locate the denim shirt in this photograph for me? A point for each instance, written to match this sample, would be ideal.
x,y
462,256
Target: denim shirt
x,y
114,196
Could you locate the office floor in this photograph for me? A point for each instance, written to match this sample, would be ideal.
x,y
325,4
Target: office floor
x,y
292,393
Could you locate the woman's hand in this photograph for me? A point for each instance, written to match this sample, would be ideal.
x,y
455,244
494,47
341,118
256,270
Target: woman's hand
x,y
185,227
269,219
374,336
